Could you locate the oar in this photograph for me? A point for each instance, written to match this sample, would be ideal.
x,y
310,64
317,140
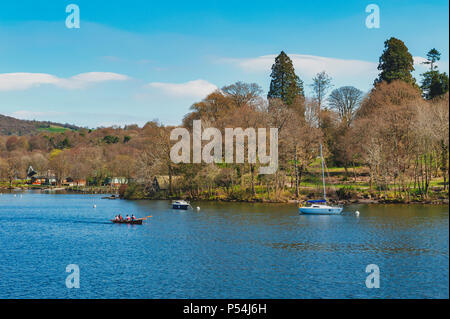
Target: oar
x,y
145,218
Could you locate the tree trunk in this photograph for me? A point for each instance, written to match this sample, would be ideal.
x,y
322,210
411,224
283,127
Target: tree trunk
x,y
296,173
170,180
354,171
252,169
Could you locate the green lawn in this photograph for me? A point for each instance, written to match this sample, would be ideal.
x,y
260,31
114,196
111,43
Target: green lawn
x,y
339,185
438,182
53,129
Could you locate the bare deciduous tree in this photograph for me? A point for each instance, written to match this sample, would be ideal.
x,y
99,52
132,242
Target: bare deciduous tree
x,y
345,101
320,86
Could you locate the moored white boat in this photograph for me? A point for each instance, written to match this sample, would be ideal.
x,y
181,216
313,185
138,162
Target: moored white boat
x,y
180,204
320,207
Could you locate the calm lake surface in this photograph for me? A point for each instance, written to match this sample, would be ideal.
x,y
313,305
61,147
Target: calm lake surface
x,y
225,250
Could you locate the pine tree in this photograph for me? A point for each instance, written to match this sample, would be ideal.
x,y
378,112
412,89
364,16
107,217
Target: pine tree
x,y
434,83
396,63
285,84
433,56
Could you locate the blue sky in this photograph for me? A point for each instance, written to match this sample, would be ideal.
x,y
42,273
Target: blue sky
x,y
135,61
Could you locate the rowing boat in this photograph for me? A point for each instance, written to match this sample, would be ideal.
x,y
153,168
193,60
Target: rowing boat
x,y
134,222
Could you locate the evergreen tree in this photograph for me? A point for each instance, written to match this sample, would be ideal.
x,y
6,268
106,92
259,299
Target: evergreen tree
x,y
434,83
433,56
285,84
396,63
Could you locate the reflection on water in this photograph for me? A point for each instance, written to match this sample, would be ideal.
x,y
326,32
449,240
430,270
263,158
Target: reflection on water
x,y
225,250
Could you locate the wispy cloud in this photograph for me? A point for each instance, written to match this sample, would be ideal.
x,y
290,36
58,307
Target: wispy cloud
x,y
84,79
195,89
32,115
419,60
421,67
23,81
344,71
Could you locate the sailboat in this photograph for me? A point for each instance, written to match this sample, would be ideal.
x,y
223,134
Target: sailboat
x,y
320,207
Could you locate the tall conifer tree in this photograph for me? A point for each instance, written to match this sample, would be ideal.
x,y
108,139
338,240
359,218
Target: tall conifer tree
x,y
396,63
285,84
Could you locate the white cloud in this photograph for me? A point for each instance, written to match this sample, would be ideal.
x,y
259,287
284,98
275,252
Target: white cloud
x,y
195,89
99,77
23,81
31,115
419,60
421,68
84,79
309,65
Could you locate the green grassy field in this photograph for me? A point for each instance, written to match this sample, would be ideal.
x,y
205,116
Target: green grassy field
x,y
53,129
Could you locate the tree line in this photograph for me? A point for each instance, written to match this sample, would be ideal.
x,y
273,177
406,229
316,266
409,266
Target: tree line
x,y
398,131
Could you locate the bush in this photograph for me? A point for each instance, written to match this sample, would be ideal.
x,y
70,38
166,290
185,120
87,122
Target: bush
x,y
134,191
108,139
346,193
382,187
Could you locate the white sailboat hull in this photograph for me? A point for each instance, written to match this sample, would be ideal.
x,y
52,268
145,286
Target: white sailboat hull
x,y
323,210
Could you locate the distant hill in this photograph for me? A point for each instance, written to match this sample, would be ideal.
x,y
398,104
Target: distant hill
x,y
12,126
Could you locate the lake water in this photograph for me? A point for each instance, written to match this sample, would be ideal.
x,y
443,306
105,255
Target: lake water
x,y
225,250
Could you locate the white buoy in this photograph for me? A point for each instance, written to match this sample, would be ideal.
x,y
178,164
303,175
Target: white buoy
x,y
198,208
357,213
95,206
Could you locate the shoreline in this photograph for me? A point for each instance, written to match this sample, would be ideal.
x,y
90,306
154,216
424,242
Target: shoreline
x,y
362,200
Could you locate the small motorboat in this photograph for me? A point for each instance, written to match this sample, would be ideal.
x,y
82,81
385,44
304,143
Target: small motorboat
x,y
180,204
123,221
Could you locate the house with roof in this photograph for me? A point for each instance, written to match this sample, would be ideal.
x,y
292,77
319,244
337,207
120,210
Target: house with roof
x,y
116,181
34,178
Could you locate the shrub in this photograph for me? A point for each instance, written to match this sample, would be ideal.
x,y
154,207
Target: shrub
x,y
346,193
134,191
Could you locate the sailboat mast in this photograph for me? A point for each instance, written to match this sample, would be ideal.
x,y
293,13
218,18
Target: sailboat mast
x,y
323,174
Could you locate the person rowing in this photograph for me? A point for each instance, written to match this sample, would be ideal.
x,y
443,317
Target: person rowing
x,y
128,218
132,217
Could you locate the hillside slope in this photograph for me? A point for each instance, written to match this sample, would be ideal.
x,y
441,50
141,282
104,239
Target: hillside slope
x,y
12,126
